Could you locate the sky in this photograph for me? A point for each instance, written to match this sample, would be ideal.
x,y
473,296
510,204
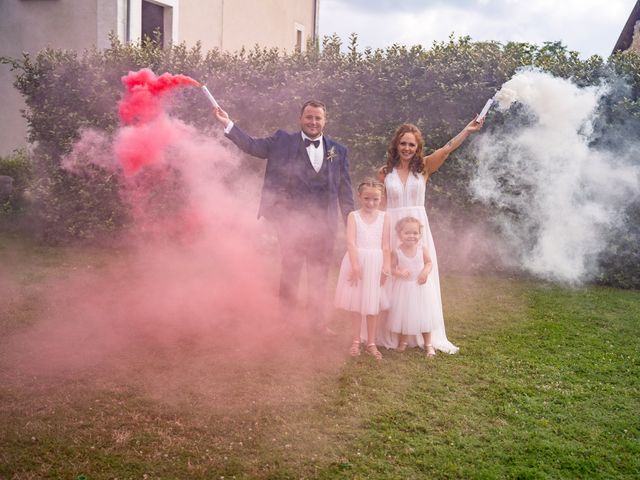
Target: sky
x,y
586,26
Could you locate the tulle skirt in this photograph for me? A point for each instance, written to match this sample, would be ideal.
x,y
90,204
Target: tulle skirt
x,y
364,297
409,310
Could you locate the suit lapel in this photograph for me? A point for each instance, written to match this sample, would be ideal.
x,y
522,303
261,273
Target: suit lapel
x,y
302,150
295,151
328,144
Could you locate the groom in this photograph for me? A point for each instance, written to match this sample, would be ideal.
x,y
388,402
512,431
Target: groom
x,y
306,180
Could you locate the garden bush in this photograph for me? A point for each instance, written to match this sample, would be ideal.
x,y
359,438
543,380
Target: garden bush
x,y
368,93
13,205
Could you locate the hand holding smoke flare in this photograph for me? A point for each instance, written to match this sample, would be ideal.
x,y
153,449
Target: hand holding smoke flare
x,y
503,99
220,114
484,111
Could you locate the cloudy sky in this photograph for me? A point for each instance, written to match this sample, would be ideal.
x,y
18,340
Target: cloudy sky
x,y
587,26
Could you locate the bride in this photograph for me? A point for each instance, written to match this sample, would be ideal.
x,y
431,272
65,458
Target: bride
x,y
405,176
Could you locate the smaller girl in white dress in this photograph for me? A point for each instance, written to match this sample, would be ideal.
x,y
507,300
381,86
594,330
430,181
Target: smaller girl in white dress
x,y
365,266
410,267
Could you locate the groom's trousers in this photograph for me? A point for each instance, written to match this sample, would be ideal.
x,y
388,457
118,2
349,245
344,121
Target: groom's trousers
x,y
305,239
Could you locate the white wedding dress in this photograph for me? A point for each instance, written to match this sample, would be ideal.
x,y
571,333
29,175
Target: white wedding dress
x,y
408,200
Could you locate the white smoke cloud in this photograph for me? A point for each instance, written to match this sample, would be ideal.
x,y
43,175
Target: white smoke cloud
x,y
558,195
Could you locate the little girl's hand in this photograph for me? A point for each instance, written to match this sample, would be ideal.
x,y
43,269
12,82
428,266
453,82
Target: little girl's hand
x,y
422,278
354,276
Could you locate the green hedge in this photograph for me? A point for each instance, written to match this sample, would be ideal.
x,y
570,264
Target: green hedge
x,y
368,93
13,207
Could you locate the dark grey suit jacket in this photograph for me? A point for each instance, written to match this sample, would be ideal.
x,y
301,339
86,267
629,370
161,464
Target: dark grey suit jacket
x,y
282,151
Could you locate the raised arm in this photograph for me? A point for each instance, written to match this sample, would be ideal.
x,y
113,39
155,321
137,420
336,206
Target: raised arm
x,y
434,161
258,147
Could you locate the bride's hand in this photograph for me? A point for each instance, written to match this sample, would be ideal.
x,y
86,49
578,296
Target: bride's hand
x,y
475,124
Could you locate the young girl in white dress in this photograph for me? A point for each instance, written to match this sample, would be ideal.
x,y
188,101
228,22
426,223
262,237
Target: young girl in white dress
x,y
410,299
365,266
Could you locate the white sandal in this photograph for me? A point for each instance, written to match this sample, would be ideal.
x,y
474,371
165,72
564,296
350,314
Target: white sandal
x,y
373,351
354,351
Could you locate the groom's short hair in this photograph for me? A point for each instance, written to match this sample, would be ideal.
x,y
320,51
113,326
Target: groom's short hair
x,y
313,103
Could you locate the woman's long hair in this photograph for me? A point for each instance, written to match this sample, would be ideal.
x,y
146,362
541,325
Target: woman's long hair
x,y
416,164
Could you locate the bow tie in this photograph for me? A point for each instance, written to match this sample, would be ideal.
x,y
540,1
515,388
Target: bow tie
x,y
307,142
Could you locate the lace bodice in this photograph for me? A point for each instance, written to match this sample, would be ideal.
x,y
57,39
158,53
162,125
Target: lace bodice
x,y
413,264
369,236
411,194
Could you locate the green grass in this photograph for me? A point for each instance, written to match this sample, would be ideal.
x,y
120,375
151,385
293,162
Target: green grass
x,y
546,385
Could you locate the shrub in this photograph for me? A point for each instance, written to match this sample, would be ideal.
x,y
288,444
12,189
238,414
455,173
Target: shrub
x,y
18,166
368,94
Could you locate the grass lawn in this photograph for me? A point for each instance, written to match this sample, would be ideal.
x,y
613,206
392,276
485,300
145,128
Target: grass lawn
x,y
546,385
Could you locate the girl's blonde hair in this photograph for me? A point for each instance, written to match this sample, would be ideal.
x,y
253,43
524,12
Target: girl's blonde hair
x,y
372,183
404,220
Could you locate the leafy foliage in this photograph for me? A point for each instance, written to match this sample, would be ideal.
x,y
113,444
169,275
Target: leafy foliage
x,y
18,167
368,93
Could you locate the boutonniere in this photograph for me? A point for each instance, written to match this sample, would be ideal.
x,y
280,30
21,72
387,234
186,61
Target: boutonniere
x,y
331,154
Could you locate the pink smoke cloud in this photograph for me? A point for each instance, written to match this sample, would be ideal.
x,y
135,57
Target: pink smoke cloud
x,y
195,265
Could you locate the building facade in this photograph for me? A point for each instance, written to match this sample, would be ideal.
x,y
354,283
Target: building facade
x,y
31,25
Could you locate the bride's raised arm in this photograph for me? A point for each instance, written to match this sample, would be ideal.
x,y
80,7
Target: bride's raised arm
x,y
435,160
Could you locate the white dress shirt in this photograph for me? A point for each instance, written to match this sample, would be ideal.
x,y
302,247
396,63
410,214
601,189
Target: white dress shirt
x,y
316,154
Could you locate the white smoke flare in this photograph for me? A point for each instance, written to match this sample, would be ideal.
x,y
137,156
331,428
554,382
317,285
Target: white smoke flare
x,y
558,197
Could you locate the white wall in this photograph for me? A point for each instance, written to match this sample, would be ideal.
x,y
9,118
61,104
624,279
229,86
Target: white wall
x,y
31,25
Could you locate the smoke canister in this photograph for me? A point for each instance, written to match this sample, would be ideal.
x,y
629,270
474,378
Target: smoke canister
x,y
484,111
210,97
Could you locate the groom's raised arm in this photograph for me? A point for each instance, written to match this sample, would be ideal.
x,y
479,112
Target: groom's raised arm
x,y
258,147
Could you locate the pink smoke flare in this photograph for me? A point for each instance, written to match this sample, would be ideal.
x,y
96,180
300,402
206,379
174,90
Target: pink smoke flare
x,y
148,130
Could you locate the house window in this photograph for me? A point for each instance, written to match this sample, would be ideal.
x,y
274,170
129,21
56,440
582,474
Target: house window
x,y
152,19
299,32
153,22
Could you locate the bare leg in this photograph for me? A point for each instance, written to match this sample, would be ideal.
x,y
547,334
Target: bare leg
x,y
428,346
402,343
356,319
371,329
372,349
